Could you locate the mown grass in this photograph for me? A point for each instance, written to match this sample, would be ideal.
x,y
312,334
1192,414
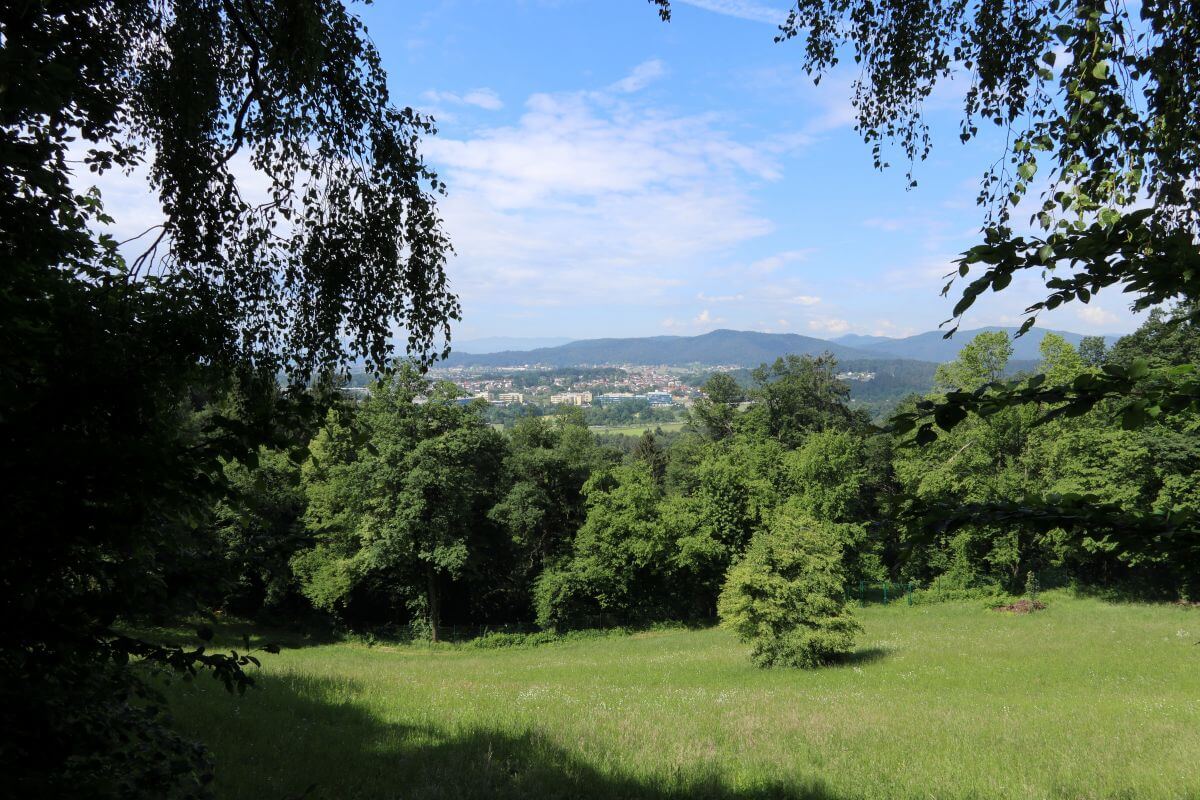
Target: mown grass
x,y
1085,700
639,429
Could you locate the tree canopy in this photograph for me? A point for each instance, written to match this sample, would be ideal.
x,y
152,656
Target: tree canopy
x,y
114,355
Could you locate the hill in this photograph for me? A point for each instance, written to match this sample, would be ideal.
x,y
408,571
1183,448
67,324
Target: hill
x,y
931,346
740,348
735,348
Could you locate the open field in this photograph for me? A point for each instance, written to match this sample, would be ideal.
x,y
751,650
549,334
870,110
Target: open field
x,y
1084,700
639,429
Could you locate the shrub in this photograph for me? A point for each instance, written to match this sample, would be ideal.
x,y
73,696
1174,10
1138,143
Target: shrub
x,y
496,640
785,597
953,588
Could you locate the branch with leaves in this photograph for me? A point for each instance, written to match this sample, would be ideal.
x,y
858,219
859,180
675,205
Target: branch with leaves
x,y
1138,394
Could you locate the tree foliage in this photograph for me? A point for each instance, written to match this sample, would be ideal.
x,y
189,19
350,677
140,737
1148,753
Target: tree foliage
x,y
786,596
107,348
399,502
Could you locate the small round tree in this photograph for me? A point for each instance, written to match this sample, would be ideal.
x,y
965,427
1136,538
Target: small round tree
x,y
785,597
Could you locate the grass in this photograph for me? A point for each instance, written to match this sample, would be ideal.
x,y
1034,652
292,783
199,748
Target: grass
x,y
639,429
1084,700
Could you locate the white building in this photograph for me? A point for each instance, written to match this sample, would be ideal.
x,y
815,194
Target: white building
x,y
571,399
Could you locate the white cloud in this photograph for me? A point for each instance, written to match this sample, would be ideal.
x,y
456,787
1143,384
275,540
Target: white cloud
x,y
804,300
704,321
885,327
884,224
742,9
1096,316
640,77
591,199
829,325
486,99
720,298
770,264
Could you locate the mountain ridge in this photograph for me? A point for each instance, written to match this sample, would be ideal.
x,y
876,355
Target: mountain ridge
x,y
933,346
741,348
748,349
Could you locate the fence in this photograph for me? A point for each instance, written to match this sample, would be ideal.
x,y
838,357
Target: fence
x,y
882,593
462,633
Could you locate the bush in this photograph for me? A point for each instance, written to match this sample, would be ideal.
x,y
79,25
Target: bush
x,y
951,588
495,640
785,597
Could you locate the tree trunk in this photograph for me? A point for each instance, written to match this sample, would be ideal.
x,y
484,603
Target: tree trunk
x,y
435,611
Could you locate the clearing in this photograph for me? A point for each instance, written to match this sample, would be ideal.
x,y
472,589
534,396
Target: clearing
x,y
1086,699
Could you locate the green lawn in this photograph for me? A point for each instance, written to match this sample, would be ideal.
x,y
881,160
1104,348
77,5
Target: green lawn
x,y
1084,700
639,429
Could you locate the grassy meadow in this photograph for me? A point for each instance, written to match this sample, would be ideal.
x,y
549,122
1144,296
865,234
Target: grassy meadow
x,y
1084,700
638,429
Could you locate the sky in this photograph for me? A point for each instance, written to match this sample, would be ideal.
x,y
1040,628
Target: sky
x,y
613,175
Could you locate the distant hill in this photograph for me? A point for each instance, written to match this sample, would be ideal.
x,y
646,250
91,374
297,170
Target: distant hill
x,y
741,348
930,346
736,348
500,344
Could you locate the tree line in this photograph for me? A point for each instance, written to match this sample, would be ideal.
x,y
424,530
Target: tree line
x,y
409,514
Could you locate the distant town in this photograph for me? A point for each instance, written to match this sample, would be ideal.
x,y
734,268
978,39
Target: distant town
x,y
574,386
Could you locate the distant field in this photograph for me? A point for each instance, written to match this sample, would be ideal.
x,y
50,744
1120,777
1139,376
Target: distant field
x,y
1084,700
638,430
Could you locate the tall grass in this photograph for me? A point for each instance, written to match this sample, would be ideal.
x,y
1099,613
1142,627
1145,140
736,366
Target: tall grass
x,y
1084,700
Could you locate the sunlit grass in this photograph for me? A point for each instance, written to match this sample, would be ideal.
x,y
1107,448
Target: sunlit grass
x,y
1084,700
638,429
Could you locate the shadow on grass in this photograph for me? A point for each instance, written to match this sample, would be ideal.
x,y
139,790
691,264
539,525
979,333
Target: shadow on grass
x,y
309,737
231,633
864,655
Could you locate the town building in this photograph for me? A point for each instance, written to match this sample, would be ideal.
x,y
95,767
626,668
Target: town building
x,y
571,399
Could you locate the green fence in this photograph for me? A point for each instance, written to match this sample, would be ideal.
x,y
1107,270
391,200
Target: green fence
x,y
884,593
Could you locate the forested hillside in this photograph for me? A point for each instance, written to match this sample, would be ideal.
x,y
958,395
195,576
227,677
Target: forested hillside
x,y
743,348
934,346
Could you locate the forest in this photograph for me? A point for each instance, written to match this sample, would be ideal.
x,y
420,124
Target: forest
x,y
411,516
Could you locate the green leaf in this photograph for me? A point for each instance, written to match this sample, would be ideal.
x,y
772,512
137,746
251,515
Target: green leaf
x,y
926,435
949,416
1100,71
1133,416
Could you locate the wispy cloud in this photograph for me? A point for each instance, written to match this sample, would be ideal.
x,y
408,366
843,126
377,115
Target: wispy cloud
x,y
742,9
804,300
640,77
720,298
486,99
701,323
1097,316
593,197
829,326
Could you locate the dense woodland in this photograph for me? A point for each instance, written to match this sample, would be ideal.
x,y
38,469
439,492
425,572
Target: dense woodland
x,y
404,515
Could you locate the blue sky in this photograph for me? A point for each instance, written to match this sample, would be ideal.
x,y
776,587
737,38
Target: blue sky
x,y
612,175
